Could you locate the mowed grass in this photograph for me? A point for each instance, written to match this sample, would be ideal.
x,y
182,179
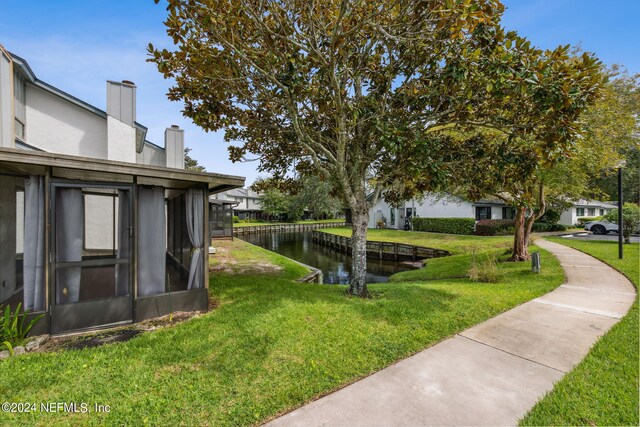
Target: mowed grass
x,y
458,266
271,345
603,389
454,243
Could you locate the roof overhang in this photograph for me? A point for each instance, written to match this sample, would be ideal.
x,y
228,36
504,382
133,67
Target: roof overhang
x,y
223,202
22,162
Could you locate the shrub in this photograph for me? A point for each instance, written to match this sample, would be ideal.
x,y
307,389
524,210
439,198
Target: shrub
x,y
444,225
630,219
582,221
236,219
495,227
550,217
541,227
506,227
484,269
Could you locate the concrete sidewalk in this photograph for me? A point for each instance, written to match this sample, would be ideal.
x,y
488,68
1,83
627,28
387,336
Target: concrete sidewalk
x,y
494,372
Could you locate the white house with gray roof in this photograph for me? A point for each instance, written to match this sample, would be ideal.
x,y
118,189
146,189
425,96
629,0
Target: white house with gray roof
x,y
437,206
445,205
585,208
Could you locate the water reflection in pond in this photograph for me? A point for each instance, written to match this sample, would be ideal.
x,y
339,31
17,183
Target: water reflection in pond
x,y
335,266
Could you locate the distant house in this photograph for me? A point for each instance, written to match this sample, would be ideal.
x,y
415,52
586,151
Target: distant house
x,y
585,208
450,206
437,206
246,203
98,226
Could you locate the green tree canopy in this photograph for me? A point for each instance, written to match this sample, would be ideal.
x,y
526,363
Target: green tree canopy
x,y
361,93
531,180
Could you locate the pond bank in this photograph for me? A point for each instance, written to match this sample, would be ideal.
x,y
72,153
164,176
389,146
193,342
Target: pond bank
x,y
335,265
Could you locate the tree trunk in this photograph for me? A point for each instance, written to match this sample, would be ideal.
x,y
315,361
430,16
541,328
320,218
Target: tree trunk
x,y
521,236
360,220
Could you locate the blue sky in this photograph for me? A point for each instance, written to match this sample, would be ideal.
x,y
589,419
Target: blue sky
x,y
76,45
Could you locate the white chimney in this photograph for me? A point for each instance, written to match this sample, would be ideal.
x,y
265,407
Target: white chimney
x,y
121,117
174,147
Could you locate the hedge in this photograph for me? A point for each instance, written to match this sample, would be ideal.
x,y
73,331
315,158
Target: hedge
x,y
494,227
444,225
505,227
545,226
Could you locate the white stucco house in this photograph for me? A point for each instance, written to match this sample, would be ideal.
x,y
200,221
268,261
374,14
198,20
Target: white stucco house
x,y
437,206
98,225
449,206
585,208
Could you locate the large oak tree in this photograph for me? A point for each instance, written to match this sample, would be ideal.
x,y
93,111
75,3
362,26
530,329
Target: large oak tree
x,y
361,93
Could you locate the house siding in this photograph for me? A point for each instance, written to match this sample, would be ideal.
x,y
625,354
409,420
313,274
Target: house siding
x,y
431,206
6,101
58,126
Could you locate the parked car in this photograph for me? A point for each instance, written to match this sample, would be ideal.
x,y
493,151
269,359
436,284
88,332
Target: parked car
x,y
601,227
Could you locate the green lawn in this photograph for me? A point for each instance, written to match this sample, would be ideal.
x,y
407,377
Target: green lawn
x,y
603,388
455,244
457,266
307,221
271,345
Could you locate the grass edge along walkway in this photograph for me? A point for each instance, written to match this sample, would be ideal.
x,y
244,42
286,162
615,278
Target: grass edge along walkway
x,y
263,351
496,370
603,388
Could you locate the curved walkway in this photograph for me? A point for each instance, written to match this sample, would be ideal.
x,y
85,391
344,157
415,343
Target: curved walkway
x,y
494,372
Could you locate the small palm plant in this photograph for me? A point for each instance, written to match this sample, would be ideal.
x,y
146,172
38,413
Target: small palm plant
x,y
14,327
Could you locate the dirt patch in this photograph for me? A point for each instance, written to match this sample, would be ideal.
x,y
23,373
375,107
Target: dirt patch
x,y
224,261
102,339
114,335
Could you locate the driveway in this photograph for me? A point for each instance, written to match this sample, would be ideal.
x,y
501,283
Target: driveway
x,y
586,235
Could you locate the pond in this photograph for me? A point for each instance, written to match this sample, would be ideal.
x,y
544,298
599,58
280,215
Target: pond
x,y
335,266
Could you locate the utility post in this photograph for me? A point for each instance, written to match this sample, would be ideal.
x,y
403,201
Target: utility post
x,y
620,204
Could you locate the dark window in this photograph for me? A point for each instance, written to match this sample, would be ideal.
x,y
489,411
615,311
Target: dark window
x,y
508,213
483,212
592,211
178,244
220,220
580,211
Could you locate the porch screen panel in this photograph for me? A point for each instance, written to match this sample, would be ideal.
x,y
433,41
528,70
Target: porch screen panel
x,y
69,240
151,243
195,228
122,270
34,257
